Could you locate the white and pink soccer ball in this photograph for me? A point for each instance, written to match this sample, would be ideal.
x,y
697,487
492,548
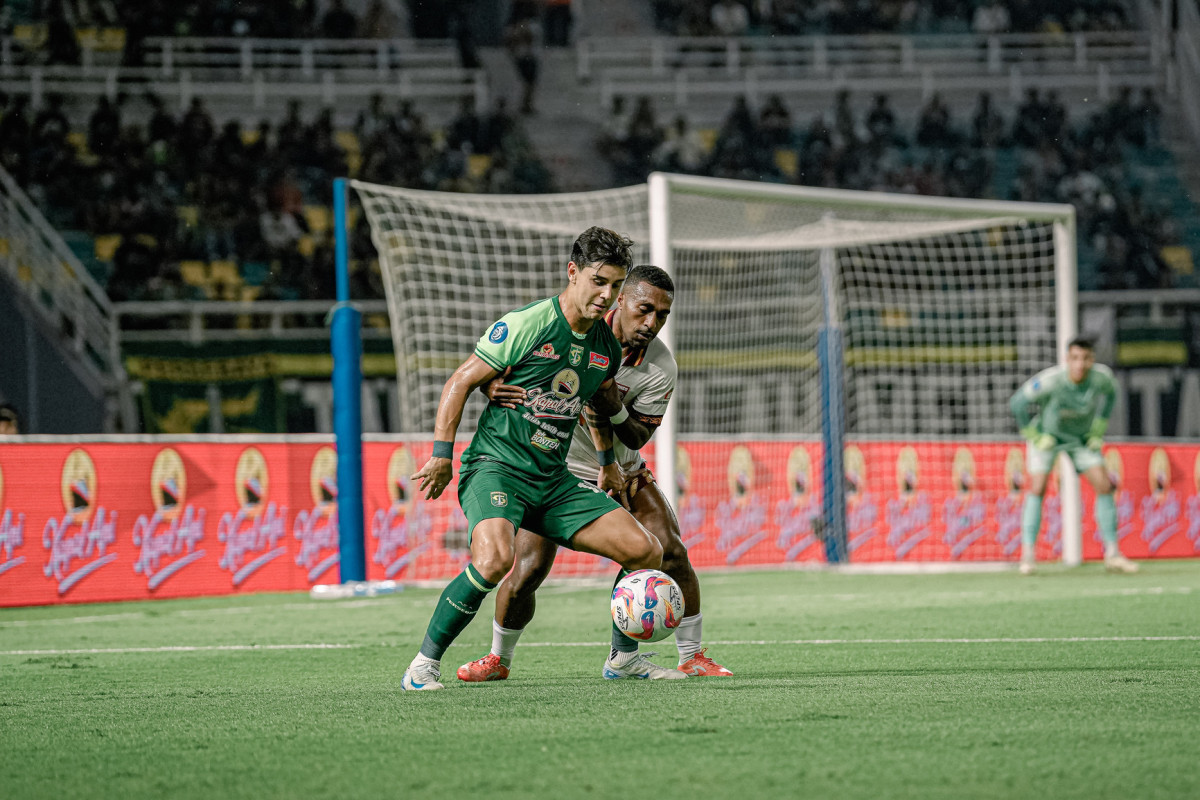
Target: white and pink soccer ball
x,y
647,605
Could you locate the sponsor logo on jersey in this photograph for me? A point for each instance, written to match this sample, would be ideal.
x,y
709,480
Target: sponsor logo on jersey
x,y
499,333
547,351
597,360
566,384
576,355
667,396
499,499
542,441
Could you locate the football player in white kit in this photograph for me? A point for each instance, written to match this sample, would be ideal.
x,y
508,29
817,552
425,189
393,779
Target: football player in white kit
x,y
646,380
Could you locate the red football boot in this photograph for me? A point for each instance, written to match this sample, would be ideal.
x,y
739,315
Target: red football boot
x,y
487,668
698,666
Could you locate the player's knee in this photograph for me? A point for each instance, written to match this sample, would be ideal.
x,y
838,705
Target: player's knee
x,y
526,577
493,562
648,554
674,557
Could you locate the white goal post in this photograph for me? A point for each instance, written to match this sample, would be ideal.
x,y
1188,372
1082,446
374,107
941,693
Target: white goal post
x,y
923,314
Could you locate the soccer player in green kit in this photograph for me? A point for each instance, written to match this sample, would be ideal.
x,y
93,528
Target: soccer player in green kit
x,y
1074,404
514,472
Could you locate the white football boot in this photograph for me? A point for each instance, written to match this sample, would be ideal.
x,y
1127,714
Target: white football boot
x,y
1119,563
422,675
639,666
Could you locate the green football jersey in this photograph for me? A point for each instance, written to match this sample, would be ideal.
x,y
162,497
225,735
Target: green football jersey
x,y
559,370
1068,410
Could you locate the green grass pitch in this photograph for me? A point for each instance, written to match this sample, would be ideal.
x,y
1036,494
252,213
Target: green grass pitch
x,y
1069,684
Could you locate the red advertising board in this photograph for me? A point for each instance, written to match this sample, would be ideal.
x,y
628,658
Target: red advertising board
x,y
95,521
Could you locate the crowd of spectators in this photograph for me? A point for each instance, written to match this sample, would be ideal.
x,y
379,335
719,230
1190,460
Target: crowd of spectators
x,y
180,188
328,19
849,17
1053,160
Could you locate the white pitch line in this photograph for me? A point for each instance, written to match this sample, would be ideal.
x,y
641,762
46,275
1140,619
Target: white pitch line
x,y
372,602
179,649
722,642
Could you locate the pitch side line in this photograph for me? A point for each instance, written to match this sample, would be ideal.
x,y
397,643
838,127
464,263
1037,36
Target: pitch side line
x,y
723,642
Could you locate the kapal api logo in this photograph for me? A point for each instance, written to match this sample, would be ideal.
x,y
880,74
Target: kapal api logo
x,y
252,533
862,514
740,519
169,538
965,512
499,333
316,528
1162,511
402,529
12,533
910,515
77,541
796,514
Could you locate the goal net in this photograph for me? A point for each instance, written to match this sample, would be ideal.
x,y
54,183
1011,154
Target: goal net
x,y
925,314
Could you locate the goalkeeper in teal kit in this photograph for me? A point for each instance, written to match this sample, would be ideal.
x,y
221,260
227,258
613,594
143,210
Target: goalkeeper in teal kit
x,y
1073,404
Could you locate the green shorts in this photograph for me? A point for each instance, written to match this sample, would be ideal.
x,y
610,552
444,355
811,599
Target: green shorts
x,y
555,507
1039,462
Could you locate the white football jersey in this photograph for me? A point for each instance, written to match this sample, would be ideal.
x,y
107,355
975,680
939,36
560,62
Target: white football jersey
x,y
646,381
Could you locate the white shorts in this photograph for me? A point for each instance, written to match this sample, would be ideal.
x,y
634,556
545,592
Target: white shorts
x,y
1039,462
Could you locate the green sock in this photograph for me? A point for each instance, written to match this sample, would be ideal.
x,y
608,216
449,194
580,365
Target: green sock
x,y
455,610
1106,518
1031,521
620,642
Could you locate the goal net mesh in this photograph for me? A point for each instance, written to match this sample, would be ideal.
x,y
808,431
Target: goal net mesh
x,y
943,316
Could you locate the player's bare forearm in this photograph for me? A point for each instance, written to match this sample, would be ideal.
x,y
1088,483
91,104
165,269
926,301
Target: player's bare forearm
x,y
600,428
634,433
607,399
435,476
471,374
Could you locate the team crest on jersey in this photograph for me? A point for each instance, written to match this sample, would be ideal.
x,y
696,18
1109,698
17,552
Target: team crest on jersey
x,y
576,355
597,360
566,384
499,499
499,333
547,351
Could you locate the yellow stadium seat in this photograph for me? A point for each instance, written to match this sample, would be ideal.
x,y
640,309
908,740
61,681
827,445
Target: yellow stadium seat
x,y
306,246
224,273
106,246
318,218
249,136
194,273
188,215
708,137
347,140
787,162
30,36
3,248
249,294
1179,259
110,40
24,273
478,165
78,140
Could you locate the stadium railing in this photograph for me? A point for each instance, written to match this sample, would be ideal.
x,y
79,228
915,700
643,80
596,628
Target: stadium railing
x,y
868,55
253,71
216,320
59,287
684,69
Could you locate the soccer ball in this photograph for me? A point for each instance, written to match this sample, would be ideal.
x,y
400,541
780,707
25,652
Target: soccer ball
x,y
647,605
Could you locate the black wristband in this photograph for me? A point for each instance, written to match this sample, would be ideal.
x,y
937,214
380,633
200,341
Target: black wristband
x,y
606,457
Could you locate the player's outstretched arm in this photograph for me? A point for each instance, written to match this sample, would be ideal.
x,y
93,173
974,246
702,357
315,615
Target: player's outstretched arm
x,y
435,476
611,480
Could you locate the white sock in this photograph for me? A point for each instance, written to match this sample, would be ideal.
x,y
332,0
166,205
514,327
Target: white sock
x,y
1112,551
504,642
687,637
423,660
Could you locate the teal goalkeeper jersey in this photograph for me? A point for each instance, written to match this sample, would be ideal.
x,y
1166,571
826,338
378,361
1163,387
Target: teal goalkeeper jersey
x,y
1068,410
559,369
